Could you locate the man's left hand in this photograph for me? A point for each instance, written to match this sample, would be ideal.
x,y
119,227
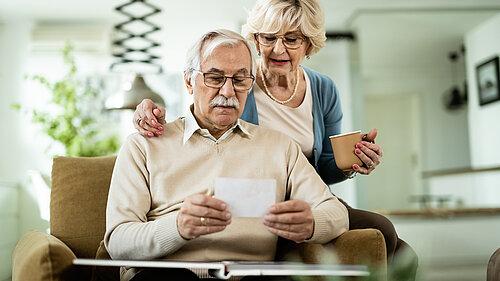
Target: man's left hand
x,y
291,219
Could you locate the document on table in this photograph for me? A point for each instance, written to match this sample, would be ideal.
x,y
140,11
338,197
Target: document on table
x,y
249,198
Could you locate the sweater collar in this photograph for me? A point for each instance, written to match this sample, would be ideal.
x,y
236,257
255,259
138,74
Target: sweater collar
x,y
191,126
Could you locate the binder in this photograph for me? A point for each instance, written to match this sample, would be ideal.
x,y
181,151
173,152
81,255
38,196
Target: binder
x,y
226,269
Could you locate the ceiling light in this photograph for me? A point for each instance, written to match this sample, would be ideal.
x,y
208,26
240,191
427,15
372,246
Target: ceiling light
x,y
132,50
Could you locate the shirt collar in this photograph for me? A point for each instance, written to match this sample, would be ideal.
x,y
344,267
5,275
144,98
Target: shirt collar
x,y
191,126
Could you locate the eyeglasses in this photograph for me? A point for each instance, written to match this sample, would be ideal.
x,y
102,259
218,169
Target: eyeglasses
x,y
216,80
291,41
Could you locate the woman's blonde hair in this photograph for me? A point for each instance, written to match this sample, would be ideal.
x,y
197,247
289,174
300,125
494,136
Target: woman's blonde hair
x,y
281,16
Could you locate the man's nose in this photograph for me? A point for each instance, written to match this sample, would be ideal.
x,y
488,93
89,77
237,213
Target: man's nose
x,y
227,89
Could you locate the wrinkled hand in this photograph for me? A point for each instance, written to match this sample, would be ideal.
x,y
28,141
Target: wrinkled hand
x,y
200,215
292,220
369,152
151,118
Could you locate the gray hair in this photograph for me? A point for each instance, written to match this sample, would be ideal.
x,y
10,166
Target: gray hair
x,y
281,16
214,39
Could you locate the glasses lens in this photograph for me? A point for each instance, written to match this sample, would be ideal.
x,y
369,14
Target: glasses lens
x,y
292,41
214,80
242,83
267,39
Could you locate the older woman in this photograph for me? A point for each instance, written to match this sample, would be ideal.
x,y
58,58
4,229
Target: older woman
x,y
294,99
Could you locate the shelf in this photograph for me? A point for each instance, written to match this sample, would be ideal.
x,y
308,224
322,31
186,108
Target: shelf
x,y
466,170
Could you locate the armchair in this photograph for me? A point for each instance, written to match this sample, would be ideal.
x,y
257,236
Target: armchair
x,y
493,271
77,224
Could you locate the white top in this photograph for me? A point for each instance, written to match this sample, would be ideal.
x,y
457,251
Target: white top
x,y
298,121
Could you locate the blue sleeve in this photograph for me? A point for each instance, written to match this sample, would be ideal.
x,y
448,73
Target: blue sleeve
x,y
331,111
250,111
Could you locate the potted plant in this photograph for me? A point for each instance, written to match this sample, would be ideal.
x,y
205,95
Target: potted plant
x,y
70,121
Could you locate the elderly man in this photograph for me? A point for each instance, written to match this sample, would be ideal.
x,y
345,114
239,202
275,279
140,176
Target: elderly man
x,y
160,201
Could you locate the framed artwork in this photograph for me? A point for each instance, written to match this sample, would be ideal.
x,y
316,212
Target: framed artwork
x,y
487,81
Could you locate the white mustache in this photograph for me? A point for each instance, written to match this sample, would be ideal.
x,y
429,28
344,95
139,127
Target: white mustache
x,y
223,101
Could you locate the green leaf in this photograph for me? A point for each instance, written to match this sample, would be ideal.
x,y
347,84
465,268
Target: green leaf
x,y
79,133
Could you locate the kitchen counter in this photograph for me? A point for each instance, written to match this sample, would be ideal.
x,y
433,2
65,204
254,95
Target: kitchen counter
x,y
441,212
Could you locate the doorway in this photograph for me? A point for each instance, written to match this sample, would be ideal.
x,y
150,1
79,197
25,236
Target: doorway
x,y
399,133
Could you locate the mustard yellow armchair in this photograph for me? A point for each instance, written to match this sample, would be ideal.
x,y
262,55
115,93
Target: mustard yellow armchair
x,y
79,193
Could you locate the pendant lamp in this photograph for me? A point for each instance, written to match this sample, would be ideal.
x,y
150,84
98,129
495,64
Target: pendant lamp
x,y
133,54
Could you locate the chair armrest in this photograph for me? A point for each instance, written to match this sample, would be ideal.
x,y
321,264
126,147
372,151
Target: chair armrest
x,y
358,247
40,256
361,246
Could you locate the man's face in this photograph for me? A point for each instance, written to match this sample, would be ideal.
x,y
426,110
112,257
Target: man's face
x,y
228,61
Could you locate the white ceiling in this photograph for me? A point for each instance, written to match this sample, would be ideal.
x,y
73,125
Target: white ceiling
x,y
390,29
338,12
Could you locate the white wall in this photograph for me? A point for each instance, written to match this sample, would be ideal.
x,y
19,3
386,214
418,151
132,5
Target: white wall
x,y
9,220
18,148
482,44
389,69
474,190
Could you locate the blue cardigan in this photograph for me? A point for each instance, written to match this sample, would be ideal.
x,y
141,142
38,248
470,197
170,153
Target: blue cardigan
x,y
327,114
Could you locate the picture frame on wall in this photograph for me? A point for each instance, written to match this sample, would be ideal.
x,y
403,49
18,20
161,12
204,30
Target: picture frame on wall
x,y
487,74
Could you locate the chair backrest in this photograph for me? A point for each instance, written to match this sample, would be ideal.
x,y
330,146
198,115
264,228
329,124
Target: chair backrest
x,y
78,199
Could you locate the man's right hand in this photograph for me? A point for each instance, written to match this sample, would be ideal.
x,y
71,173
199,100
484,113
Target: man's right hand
x,y
148,118
202,214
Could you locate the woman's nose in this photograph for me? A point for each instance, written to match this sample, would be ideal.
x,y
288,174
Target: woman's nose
x,y
279,47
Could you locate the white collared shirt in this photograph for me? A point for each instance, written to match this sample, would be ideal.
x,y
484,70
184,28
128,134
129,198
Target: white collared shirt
x,y
191,126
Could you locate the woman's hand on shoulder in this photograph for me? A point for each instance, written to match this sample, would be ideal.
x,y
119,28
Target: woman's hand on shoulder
x,y
369,152
149,118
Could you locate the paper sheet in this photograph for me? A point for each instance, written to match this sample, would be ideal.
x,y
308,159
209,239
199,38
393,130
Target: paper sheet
x,y
246,197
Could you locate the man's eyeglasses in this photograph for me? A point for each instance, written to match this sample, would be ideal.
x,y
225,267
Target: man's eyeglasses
x,y
216,80
291,41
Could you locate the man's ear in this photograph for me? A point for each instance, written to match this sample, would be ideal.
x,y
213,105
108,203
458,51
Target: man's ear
x,y
187,81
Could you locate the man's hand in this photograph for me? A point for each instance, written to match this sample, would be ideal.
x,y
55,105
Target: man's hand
x,y
201,214
292,220
148,118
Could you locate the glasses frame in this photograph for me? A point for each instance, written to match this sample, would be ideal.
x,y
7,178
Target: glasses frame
x,y
304,38
225,79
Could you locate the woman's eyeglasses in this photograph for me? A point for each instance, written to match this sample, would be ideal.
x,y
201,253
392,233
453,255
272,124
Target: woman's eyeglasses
x,y
291,41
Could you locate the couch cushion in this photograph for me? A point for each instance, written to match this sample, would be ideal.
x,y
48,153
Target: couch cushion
x,y
39,256
78,199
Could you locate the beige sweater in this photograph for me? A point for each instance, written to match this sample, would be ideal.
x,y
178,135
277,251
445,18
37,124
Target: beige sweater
x,y
152,176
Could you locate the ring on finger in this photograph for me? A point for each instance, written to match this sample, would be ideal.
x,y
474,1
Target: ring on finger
x,y
202,220
369,166
139,121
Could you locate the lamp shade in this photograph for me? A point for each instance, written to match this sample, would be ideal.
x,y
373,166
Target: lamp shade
x,y
129,99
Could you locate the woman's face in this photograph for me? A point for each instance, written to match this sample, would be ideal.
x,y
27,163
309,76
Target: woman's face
x,y
277,57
